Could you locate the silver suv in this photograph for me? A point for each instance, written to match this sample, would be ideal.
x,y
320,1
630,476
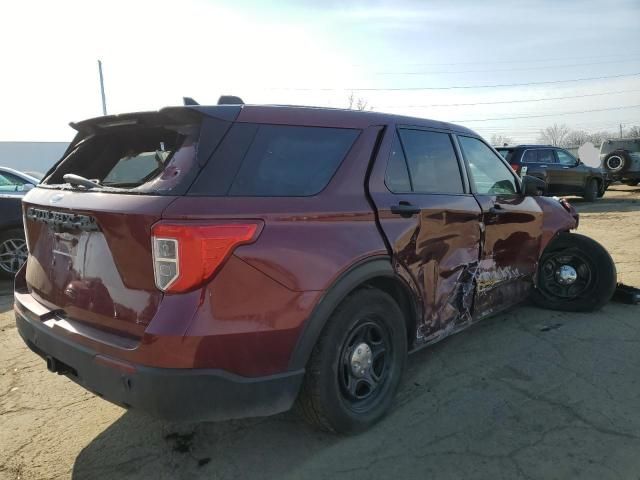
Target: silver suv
x,y
621,160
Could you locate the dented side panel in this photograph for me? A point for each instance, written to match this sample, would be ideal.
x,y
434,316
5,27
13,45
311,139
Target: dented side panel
x,y
510,250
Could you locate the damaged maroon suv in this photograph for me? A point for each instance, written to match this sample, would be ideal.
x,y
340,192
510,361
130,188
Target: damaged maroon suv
x,y
206,263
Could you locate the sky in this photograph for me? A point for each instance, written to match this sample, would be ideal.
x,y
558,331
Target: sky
x,y
419,58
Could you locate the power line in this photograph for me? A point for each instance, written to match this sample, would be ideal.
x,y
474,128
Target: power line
x,y
539,67
547,114
485,62
509,101
391,89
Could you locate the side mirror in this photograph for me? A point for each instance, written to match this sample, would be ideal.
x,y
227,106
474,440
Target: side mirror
x,y
533,186
27,186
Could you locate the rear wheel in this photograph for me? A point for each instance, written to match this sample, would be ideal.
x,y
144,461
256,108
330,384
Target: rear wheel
x,y
576,273
591,190
13,252
356,366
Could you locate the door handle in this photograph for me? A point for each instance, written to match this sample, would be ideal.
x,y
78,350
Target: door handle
x,y
565,168
497,210
543,166
405,209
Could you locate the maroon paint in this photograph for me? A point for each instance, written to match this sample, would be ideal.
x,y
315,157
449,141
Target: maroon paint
x,y
248,318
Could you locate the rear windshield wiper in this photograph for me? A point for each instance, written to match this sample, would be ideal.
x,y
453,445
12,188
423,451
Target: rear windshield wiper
x,y
79,181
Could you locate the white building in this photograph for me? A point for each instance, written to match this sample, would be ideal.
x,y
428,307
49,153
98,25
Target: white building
x,y
31,156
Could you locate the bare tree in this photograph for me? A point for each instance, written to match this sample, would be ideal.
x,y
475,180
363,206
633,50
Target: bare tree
x,y
359,103
555,135
598,137
501,140
633,131
576,138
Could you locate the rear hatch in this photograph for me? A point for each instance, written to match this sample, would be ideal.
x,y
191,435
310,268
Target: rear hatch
x,y
90,247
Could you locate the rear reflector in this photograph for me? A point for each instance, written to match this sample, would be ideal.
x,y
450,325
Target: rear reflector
x,y
186,254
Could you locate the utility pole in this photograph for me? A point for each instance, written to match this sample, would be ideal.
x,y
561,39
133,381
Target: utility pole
x,y
104,101
620,130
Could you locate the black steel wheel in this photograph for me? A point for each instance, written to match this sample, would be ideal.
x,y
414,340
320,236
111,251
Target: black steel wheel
x,y
357,364
575,273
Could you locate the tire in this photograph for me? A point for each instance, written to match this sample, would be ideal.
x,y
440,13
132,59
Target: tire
x,y
13,252
325,400
591,190
604,186
617,161
595,275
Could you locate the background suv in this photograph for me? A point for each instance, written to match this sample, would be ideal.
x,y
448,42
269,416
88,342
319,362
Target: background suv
x,y
621,159
227,261
562,172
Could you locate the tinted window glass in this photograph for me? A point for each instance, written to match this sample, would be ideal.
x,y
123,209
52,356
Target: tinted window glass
x,y
565,159
530,156
291,161
546,156
397,175
488,173
432,162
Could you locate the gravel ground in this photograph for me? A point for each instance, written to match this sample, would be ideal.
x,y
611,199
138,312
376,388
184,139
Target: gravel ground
x,y
527,394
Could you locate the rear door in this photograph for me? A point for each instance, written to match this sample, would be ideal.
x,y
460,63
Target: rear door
x,y
431,222
511,229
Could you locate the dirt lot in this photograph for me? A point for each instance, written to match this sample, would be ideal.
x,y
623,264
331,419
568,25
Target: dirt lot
x,y
528,394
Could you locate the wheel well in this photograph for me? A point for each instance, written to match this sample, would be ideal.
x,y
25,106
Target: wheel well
x,y
403,297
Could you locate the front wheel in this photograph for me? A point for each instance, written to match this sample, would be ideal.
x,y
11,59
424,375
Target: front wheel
x,y
357,364
591,190
575,273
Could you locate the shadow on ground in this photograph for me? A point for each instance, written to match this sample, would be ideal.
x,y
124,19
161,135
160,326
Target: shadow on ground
x,y
626,201
527,394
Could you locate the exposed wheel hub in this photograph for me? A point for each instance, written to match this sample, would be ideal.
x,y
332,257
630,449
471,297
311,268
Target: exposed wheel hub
x,y
566,275
361,360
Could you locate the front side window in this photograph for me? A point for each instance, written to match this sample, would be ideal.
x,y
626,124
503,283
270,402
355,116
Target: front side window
x,y
432,161
489,174
11,183
565,159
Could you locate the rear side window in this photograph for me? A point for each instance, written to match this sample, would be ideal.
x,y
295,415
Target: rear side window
x,y
530,156
432,161
546,156
274,160
397,175
507,153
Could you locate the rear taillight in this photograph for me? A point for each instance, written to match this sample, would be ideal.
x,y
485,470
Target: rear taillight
x,y
515,167
187,254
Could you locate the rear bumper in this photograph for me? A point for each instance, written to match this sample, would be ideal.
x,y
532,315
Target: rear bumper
x,y
168,393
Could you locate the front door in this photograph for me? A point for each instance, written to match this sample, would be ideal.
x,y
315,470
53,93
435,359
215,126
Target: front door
x,y
431,222
512,229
